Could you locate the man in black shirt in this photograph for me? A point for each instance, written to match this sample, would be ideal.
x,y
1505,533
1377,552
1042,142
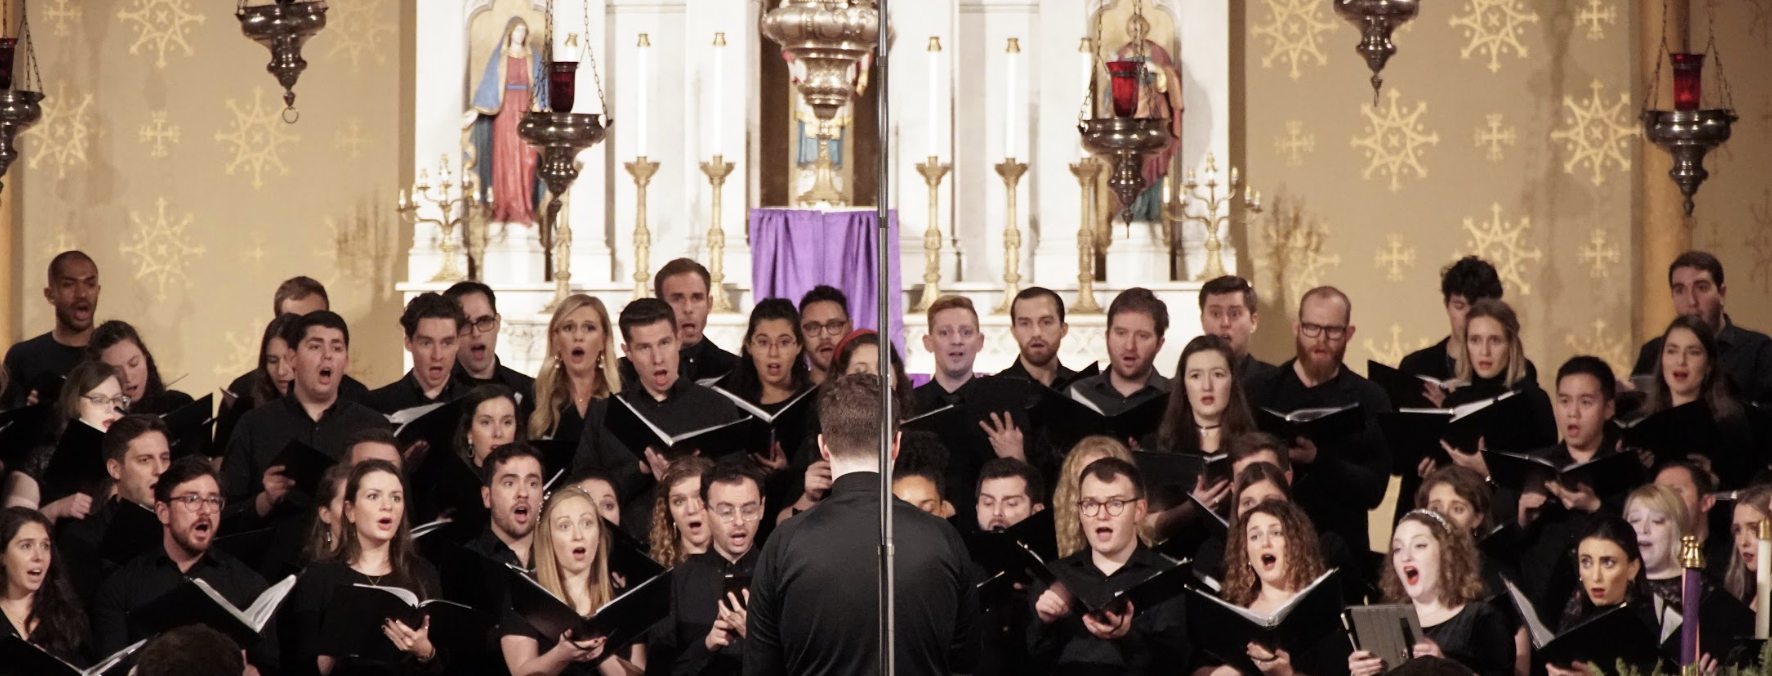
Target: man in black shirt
x,y
36,363
1009,491
433,325
991,425
685,285
1338,479
188,501
706,630
797,625
313,413
824,320
1227,310
298,296
1696,280
1037,321
513,493
478,361
136,451
1136,322
1122,638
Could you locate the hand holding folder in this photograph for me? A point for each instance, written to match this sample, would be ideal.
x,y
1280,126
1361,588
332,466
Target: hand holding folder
x,y
620,622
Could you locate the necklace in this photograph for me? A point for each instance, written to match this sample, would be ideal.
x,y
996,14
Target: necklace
x,y
375,579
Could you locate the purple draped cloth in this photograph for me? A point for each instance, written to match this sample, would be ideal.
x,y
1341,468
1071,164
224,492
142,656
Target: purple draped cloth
x,y
793,250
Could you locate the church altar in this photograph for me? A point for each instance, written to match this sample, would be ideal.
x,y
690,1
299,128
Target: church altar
x,y
675,96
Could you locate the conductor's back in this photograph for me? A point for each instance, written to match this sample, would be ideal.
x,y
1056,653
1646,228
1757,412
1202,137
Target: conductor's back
x,y
814,608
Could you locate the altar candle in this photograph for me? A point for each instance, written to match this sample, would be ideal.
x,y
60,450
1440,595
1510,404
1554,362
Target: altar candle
x,y
1010,103
1763,581
719,90
934,94
1688,80
1086,55
641,85
1692,560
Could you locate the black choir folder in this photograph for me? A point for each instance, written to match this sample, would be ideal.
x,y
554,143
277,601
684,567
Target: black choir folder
x,y
1675,433
1611,474
1226,630
434,424
21,657
787,425
303,464
195,602
1154,589
1018,551
133,529
78,465
1070,417
1406,389
1317,424
621,621
639,433
1416,433
1162,468
1611,636
355,619
193,428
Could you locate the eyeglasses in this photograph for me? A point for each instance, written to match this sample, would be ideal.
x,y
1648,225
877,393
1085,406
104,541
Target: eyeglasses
x,y
195,503
1314,330
119,401
762,344
835,327
484,324
1115,507
750,513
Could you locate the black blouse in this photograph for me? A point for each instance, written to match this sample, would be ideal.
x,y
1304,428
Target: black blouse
x,y
1477,637
307,610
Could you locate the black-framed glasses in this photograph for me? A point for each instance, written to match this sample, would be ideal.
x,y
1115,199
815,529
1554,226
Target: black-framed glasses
x,y
750,513
835,327
1115,507
120,401
485,324
1313,330
195,503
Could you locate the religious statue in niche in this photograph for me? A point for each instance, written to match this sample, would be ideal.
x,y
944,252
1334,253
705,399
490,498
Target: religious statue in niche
x,y
512,82
1160,99
818,162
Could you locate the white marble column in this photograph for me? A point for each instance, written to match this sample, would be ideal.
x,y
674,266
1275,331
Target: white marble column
x,y
440,34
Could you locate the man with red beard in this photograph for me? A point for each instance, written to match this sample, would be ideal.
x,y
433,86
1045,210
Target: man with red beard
x,y
705,633
312,413
824,320
188,501
73,291
433,324
1338,479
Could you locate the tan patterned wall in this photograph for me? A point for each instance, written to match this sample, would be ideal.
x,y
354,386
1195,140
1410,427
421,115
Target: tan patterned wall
x,y
1505,128
161,154
1735,206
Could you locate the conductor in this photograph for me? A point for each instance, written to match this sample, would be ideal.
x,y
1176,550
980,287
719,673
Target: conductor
x,y
807,616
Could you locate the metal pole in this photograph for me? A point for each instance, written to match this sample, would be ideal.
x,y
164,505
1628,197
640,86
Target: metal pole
x,y
882,270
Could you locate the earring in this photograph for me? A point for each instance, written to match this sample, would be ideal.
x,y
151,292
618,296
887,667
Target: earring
x,y
329,536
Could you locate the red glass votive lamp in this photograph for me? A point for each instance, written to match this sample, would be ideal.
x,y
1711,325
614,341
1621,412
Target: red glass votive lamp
x,y
562,85
1688,80
1125,83
8,47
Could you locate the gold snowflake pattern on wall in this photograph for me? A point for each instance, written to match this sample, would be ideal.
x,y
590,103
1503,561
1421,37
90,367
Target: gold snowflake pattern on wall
x,y
1393,352
62,14
159,135
1760,24
1504,245
1759,241
63,241
161,248
1393,257
255,253
1395,141
1596,16
1295,144
1609,346
161,25
359,31
1597,253
242,347
1494,136
351,139
1597,135
1295,251
1294,33
64,133
1493,27
256,138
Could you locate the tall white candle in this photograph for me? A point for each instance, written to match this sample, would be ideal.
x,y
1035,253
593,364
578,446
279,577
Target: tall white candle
x,y
719,92
1762,582
1086,54
1010,103
641,85
934,94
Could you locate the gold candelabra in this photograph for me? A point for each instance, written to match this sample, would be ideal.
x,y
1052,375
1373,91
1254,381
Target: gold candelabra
x,y
1087,170
642,172
562,257
933,171
1011,172
453,208
717,170
1216,210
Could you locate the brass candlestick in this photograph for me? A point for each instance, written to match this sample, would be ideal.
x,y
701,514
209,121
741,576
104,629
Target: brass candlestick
x,y
1011,172
467,203
933,171
478,235
1087,170
642,172
562,258
717,169
1216,210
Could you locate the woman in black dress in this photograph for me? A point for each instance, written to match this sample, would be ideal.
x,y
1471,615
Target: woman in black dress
x,y
117,343
1205,421
1610,566
39,601
572,563
1689,373
1495,364
578,371
1433,568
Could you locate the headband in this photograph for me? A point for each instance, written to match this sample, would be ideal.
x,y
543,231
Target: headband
x,y
1432,515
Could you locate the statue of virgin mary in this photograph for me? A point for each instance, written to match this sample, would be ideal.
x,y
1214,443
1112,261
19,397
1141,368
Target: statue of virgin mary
x,y
509,86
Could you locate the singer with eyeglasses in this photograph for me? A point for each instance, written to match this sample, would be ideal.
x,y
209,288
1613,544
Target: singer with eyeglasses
x,y
188,501
705,633
93,396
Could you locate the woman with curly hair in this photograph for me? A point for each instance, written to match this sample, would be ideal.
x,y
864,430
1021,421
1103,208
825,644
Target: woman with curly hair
x,y
1271,558
38,600
1070,478
1434,568
679,519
